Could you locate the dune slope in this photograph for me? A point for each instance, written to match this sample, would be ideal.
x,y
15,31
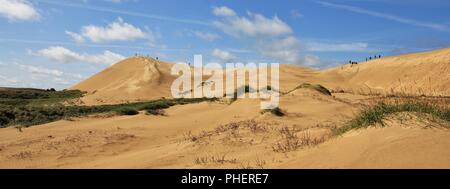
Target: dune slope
x,y
141,78
425,73
133,79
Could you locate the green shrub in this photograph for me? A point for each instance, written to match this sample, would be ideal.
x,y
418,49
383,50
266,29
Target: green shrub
x,y
158,105
156,112
127,111
275,111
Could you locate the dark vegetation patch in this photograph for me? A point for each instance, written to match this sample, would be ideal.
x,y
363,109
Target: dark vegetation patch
x,y
127,111
275,111
315,87
42,106
36,97
248,89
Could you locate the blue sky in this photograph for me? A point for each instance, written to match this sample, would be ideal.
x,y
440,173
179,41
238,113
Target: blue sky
x,y
57,43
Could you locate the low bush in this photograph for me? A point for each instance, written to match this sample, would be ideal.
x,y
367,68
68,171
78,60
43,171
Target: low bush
x,y
275,111
127,111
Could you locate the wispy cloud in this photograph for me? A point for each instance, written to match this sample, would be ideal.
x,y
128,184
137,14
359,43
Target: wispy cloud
x,y
45,42
337,47
125,12
223,55
61,54
207,36
435,26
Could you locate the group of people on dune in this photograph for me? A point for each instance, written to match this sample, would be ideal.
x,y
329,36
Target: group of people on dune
x,y
367,59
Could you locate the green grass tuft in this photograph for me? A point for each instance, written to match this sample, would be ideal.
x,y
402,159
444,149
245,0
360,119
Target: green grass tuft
x,y
316,87
376,114
159,105
127,111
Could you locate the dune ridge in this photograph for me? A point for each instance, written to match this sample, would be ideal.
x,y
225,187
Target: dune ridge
x,y
237,134
142,78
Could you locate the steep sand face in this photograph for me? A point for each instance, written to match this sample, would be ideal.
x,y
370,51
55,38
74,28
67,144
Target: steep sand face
x,y
426,73
134,79
141,78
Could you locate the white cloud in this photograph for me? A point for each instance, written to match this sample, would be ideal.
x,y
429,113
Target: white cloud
x,y
311,60
206,36
337,47
116,31
107,57
6,80
36,76
223,55
223,11
76,37
284,49
41,70
18,10
253,25
273,37
61,54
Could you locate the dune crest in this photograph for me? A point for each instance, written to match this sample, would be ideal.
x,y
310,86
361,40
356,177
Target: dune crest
x,y
425,73
141,78
133,79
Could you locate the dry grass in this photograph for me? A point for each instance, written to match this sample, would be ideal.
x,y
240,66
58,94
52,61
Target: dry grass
x,y
157,112
291,142
438,108
217,159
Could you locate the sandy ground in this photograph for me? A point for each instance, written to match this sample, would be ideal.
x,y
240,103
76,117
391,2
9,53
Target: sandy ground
x,y
237,135
223,135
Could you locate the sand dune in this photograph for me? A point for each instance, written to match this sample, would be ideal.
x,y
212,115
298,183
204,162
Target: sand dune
x,y
222,134
425,73
228,136
141,78
134,79
145,141
414,144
